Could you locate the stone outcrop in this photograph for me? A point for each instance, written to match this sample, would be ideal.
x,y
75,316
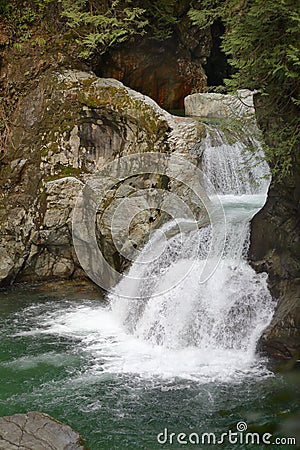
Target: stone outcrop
x,y
220,106
65,129
37,431
275,243
275,249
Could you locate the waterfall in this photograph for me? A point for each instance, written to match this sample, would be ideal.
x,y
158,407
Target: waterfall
x,y
231,167
230,310
164,320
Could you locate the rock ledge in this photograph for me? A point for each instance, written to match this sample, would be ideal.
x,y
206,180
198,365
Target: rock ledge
x,y
37,431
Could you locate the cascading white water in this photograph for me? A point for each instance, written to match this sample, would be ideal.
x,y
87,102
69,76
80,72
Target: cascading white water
x,y
231,167
228,311
203,331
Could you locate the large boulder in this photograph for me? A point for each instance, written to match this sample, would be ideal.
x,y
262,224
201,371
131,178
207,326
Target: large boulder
x,y
220,106
37,431
70,125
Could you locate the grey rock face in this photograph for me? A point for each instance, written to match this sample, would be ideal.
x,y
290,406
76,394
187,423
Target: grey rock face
x,y
219,106
7,263
275,249
37,431
275,245
65,130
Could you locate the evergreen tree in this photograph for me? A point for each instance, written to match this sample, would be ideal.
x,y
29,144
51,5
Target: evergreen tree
x,y
262,41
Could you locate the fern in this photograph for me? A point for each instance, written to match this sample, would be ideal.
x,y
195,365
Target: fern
x,y
101,29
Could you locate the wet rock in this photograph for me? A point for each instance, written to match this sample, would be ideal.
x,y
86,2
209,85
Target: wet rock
x,y
37,431
275,247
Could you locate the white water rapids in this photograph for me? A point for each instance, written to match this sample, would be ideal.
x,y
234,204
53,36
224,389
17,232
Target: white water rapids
x,y
204,331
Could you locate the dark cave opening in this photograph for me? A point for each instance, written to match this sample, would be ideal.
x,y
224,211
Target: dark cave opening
x,y
167,71
163,70
217,67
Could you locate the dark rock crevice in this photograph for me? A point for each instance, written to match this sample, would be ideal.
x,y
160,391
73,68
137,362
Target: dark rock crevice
x,y
169,70
217,67
275,249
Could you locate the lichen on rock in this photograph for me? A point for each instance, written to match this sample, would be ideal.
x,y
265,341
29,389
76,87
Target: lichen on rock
x,y
37,431
65,129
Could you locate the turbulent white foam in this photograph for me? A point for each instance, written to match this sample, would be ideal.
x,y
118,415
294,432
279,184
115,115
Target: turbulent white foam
x,y
99,333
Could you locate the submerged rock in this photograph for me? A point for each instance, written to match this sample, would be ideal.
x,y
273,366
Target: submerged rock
x,y
37,431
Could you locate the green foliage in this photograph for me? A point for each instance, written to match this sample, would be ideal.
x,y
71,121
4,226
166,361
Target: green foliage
x,y
20,19
162,15
101,28
281,158
4,6
97,24
262,43
262,39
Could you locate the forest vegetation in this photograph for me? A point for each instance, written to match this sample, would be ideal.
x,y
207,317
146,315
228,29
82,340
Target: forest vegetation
x,y
261,41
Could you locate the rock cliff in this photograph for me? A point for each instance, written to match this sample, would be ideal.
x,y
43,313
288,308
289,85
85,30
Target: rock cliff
x,y
165,70
275,245
65,129
275,249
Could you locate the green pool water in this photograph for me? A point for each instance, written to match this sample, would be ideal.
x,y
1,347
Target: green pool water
x,y
54,360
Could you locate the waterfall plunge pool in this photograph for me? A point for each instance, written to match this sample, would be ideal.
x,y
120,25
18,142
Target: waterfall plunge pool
x,y
183,360
64,355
